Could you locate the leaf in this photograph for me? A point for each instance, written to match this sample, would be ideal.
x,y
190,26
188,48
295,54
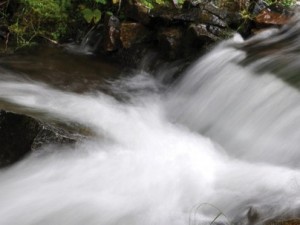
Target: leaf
x,y
87,15
91,15
160,2
115,1
147,3
97,15
109,13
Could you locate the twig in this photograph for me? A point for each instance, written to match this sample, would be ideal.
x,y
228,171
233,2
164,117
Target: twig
x,y
2,3
119,8
50,40
6,41
216,218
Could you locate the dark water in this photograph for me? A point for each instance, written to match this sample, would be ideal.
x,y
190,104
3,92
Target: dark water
x,y
62,68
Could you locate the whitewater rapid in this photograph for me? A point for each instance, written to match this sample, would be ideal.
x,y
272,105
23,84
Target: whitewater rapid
x,y
221,141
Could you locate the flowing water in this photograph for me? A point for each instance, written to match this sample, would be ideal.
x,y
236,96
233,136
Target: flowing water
x,y
220,145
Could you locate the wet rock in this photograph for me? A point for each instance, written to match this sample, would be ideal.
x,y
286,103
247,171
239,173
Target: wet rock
x,y
111,40
283,222
166,30
132,33
228,15
258,6
185,17
219,32
209,18
267,17
21,134
219,12
200,33
264,16
212,16
169,17
170,40
253,215
49,134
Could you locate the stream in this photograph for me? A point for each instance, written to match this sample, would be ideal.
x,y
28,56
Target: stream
x,y
220,145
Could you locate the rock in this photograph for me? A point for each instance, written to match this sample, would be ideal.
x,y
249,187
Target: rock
x,y
167,17
226,14
258,6
49,134
104,37
253,215
21,134
185,17
283,222
267,17
219,32
137,11
132,33
219,12
182,17
170,40
111,40
169,30
209,18
200,33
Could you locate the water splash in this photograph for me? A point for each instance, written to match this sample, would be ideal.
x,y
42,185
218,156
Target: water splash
x,y
148,162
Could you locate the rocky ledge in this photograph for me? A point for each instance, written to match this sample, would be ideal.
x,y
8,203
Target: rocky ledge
x,y
21,134
180,33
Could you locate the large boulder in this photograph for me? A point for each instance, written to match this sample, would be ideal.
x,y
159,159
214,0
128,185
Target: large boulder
x,y
207,17
133,33
267,17
260,16
21,134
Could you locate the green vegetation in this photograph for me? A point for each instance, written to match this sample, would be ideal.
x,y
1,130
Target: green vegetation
x,y
246,15
285,3
30,22
33,20
152,3
90,10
